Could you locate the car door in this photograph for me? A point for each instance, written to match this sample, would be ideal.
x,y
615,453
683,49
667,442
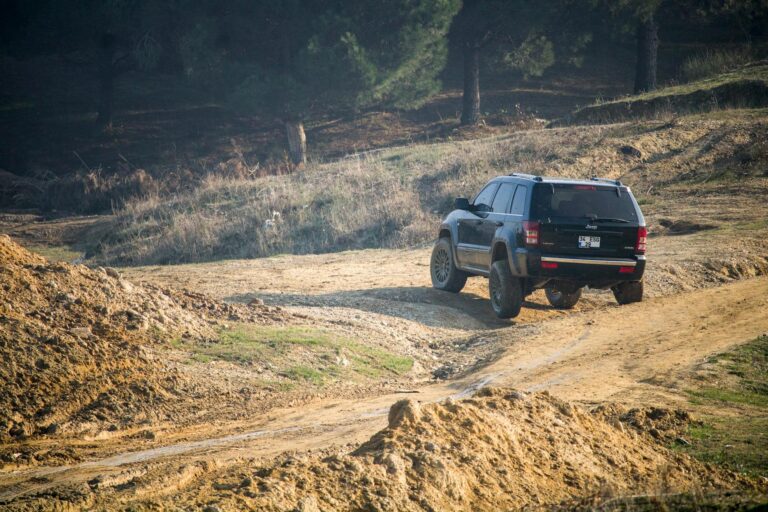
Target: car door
x,y
469,246
493,221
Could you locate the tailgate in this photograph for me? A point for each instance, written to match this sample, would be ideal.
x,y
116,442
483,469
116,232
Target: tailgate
x,y
617,241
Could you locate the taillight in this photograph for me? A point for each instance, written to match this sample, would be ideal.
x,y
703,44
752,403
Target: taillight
x,y
531,233
642,237
626,270
547,264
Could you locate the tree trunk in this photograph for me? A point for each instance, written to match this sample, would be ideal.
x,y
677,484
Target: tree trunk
x,y
470,112
647,51
106,72
297,142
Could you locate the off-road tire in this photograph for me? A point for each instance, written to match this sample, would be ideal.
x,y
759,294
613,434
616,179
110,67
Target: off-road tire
x,y
562,300
445,274
628,292
505,291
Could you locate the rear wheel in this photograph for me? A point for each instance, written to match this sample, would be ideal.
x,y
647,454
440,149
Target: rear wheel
x,y
505,291
445,274
561,299
628,292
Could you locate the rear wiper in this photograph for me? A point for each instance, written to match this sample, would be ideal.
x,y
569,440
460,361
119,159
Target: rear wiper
x,y
608,219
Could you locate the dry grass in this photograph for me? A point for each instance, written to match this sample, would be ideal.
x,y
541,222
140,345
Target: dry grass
x,y
396,197
715,62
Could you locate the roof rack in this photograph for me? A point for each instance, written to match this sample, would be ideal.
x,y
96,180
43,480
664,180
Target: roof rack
x,y
618,183
528,176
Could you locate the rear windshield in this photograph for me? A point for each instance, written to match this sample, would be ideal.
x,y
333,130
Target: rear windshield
x,y
581,201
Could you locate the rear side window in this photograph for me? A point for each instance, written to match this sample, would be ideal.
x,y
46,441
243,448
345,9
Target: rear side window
x,y
581,201
503,198
518,206
485,197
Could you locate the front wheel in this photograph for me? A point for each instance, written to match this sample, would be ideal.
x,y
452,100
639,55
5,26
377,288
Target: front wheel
x,y
628,292
445,274
561,299
505,291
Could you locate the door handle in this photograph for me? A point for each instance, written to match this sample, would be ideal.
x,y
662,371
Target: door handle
x,y
499,223
478,222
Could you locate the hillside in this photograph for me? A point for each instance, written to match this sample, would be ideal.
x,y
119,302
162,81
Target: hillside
x,y
395,197
744,87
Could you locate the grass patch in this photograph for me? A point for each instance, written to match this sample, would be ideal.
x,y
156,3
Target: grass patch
x,y
56,253
715,62
737,435
305,373
758,73
755,225
738,443
301,354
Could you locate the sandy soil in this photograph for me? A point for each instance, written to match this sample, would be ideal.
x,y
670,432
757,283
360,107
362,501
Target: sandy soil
x,y
595,354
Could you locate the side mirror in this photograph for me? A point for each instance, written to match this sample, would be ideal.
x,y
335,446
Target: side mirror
x,y
461,203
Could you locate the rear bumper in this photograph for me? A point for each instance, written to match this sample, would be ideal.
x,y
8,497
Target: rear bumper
x,y
595,271
605,262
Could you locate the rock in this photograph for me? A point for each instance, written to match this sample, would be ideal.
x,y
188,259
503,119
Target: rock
x,y
307,504
256,302
516,395
246,482
133,315
18,430
112,272
81,332
404,411
444,372
630,151
66,298
212,508
682,441
52,429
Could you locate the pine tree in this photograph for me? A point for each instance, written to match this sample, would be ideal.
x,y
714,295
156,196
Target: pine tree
x,y
348,56
527,34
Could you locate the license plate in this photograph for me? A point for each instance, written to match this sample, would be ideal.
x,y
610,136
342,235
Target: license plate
x,y
589,242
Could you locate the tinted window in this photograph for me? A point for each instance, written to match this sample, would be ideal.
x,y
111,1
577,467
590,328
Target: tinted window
x,y
503,197
485,197
518,206
581,201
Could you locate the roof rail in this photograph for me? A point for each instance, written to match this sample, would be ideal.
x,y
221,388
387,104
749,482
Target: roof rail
x,y
528,176
618,183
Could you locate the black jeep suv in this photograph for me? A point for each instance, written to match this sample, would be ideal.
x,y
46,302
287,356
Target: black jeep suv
x,y
526,232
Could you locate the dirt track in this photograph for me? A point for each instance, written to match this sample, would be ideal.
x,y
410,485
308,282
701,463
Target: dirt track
x,y
707,291
634,354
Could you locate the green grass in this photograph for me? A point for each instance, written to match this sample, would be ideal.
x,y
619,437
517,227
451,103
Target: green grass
x,y
751,225
751,73
712,63
736,436
301,354
57,253
305,373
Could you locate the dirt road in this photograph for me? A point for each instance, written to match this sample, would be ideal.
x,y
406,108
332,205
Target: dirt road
x,y
634,354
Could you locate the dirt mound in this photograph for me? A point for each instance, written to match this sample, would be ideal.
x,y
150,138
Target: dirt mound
x,y
663,424
78,345
500,450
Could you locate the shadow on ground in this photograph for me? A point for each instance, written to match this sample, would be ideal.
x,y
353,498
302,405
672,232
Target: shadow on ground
x,y
432,308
